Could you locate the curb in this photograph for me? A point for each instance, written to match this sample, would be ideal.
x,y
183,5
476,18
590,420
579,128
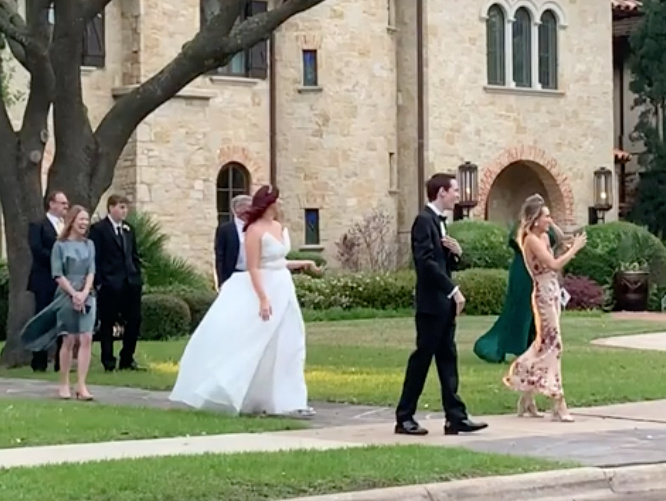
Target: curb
x,y
578,483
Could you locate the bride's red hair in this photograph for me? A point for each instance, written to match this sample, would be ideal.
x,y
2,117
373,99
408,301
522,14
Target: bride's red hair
x,y
265,196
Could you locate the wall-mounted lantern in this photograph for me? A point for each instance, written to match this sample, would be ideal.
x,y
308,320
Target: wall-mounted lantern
x,y
603,195
468,185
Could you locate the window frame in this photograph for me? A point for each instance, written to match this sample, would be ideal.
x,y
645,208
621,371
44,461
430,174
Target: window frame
x,y
255,59
226,175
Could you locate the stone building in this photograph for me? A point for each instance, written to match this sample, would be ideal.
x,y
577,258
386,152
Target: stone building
x,y
351,105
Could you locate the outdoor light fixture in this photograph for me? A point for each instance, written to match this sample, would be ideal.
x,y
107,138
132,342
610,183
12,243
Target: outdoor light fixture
x,y
468,184
603,195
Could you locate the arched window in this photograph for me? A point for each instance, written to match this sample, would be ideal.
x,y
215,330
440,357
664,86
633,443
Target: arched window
x,y
232,180
495,45
522,48
548,51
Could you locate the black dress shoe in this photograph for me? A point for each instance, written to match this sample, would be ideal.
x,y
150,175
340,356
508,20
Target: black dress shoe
x,y
410,427
464,426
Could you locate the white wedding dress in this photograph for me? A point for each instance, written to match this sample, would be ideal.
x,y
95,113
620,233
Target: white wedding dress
x,y
236,362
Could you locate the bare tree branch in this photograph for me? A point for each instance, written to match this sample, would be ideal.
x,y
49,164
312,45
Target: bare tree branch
x,y
90,8
212,47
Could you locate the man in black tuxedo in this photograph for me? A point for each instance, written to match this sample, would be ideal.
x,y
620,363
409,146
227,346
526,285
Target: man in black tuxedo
x,y
229,241
118,282
42,236
438,302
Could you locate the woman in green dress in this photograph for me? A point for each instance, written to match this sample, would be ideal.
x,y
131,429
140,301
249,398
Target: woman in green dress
x,y
72,313
514,330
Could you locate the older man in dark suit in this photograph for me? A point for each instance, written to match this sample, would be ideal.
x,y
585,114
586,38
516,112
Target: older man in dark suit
x,y
229,241
42,235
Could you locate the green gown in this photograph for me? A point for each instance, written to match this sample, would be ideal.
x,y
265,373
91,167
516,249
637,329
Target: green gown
x,y
514,330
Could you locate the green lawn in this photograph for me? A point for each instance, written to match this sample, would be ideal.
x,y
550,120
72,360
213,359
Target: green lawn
x,y
39,422
257,476
363,361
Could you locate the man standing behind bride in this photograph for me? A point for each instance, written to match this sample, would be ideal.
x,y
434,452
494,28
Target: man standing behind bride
x,y
248,353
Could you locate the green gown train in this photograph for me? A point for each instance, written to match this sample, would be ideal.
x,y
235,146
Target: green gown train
x,y
514,330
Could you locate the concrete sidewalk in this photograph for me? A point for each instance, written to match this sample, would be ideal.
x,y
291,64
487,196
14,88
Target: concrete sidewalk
x,y
602,436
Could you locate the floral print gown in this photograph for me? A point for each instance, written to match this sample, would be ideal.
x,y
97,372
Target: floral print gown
x,y
538,370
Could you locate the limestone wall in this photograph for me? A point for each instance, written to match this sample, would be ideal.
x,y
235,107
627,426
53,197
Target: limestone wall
x,y
336,143
568,132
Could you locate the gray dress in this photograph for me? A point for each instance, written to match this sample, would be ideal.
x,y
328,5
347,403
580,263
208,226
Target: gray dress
x,y
74,260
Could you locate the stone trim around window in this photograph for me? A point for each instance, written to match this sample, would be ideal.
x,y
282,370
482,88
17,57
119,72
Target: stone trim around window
x,y
536,9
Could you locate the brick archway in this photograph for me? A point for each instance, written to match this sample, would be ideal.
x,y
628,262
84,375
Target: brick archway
x,y
241,155
545,167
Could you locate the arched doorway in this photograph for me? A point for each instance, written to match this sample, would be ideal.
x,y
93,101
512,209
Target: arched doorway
x,y
514,184
232,180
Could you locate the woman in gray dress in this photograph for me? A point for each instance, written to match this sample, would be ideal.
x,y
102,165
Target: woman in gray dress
x,y
73,310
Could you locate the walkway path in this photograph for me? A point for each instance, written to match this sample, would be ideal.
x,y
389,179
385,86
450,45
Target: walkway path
x,y
614,435
601,436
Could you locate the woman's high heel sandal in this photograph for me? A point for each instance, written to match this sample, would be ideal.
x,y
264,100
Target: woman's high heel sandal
x,y
561,413
85,398
527,406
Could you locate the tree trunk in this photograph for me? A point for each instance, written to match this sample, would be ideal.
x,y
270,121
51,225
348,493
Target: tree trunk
x,y
22,203
84,161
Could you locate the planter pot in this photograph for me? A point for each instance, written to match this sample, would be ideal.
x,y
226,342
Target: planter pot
x,y
631,290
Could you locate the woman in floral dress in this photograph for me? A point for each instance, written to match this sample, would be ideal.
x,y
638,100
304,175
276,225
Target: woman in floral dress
x,y
538,370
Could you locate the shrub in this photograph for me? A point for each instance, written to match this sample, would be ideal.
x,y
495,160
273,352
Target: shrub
x,y
370,245
585,293
158,266
382,291
615,245
4,299
164,316
198,301
484,290
307,256
484,244
656,295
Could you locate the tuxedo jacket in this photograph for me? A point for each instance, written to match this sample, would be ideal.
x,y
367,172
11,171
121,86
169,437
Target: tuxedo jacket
x,y
117,260
227,247
41,238
434,265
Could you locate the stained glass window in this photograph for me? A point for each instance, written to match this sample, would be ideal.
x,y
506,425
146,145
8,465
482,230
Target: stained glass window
x,y
312,227
310,78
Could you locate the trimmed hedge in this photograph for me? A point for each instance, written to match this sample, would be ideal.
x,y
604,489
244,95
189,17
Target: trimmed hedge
x,y
173,312
611,245
381,291
484,290
164,316
307,256
484,244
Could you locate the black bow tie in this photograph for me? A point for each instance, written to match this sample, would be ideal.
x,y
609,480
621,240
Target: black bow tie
x,y
442,218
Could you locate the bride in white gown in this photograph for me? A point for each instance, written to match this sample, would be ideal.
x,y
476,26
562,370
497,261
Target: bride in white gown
x,y
248,353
